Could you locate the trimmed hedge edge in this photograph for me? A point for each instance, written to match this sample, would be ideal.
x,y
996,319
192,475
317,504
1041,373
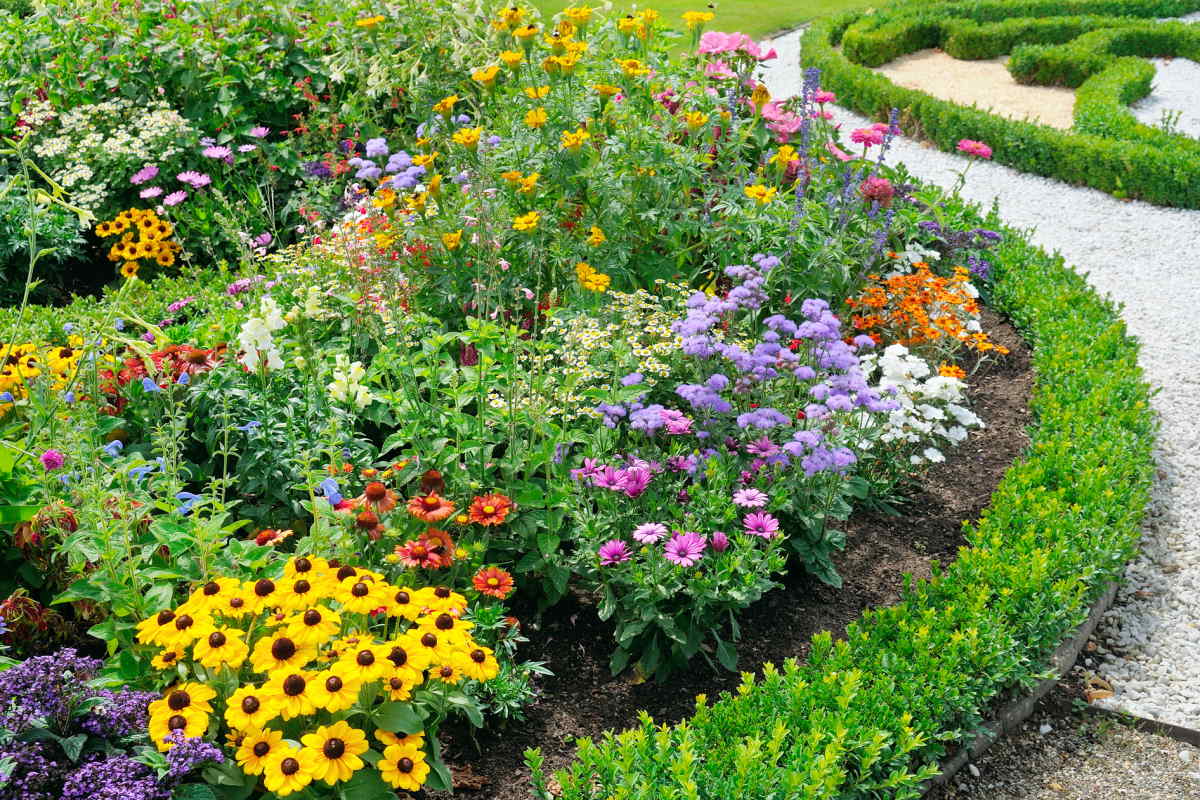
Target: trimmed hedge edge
x,y
873,715
1107,150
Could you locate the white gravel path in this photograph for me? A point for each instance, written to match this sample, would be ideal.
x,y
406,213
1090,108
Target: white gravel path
x,y
1147,258
1176,90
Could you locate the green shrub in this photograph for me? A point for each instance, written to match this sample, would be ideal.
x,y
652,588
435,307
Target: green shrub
x,y
870,716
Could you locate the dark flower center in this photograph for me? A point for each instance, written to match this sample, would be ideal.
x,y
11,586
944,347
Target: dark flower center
x,y
441,592
375,491
429,640
283,649
367,519
396,684
478,656
402,597
444,622
289,766
333,684
264,587
211,588
216,639
360,589
170,656
365,658
334,749
346,572
301,586
183,622
446,672
250,705
405,764
177,723
236,602
178,700
312,617
261,749
303,564
398,656
165,616
293,685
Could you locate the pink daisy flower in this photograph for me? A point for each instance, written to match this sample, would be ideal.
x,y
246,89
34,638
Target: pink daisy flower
x,y
685,549
613,552
761,524
649,532
750,498
175,198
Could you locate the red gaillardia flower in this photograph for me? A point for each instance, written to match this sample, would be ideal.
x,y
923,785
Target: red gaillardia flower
x,y
418,553
490,509
376,497
493,581
431,507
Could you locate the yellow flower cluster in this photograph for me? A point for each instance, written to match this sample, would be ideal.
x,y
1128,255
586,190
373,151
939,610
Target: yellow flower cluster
x,y
590,279
27,361
301,647
143,235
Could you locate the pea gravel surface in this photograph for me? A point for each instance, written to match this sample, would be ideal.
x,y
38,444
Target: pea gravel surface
x,y
1146,258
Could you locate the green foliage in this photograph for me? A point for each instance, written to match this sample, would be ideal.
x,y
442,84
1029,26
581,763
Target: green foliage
x,y
1090,44
871,715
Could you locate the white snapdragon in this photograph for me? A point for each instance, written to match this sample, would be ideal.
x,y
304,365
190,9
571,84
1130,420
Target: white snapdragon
x,y
255,339
932,412
346,386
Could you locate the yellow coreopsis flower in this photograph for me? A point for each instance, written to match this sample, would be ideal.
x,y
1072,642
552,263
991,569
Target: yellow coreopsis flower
x,y
525,32
784,155
425,159
536,92
630,25
762,194
526,222
536,118
697,18
512,176
445,106
451,241
596,237
567,63
579,15
468,137
632,67
528,184
486,75
573,140
606,89
512,58
369,22
695,119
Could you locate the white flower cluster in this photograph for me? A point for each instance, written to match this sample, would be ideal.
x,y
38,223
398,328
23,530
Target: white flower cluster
x,y
255,340
113,139
347,386
933,412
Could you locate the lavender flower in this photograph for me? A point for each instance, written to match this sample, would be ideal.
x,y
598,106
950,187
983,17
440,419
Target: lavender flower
x,y
150,192
117,777
317,169
685,549
175,198
197,180
613,552
188,754
218,151
122,713
45,688
144,175
260,132
633,379
376,148
750,498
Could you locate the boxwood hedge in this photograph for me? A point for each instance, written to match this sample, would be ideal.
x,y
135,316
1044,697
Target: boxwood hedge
x,y
1093,45
871,716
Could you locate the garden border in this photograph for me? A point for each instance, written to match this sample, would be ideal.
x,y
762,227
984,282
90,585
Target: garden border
x,y
879,711
1138,164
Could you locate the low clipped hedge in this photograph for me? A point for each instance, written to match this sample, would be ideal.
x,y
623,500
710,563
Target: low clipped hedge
x,y
871,716
1089,44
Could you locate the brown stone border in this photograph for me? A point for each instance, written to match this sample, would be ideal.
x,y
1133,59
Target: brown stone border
x,y
1010,715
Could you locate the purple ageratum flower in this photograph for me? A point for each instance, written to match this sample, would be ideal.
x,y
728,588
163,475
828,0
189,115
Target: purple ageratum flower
x,y
613,552
317,169
611,413
649,532
150,192
52,460
719,541
260,131
633,379
761,524
750,498
369,173
144,175
648,419
45,687
219,151
175,198
764,418
398,161
376,148
685,549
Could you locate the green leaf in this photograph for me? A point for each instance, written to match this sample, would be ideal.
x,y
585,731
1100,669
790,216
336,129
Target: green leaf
x,y
608,604
548,542
73,745
194,791
727,655
11,515
399,717
366,785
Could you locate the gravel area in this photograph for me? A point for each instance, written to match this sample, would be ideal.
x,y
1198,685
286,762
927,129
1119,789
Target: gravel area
x,y
1061,754
1176,93
1148,259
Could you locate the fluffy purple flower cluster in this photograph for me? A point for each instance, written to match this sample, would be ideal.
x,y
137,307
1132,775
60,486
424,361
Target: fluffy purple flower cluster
x,y
405,174
243,285
45,688
188,754
117,777
121,713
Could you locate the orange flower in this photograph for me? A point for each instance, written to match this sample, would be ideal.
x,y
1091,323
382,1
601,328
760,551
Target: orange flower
x,y
951,371
493,581
418,553
490,509
377,497
431,507
440,544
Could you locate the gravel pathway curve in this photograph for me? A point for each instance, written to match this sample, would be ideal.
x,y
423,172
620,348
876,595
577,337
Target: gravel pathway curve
x,y
1175,92
1148,259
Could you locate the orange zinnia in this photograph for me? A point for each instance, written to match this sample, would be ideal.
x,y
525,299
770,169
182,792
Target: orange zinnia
x,y
493,581
490,509
431,507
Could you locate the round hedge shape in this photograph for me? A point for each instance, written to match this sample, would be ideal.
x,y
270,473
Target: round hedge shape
x,y
1097,47
872,715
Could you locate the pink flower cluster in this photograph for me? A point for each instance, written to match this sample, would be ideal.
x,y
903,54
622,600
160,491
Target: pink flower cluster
x,y
974,148
783,124
715,42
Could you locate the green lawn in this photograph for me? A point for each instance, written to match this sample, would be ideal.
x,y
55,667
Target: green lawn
x,y
756,19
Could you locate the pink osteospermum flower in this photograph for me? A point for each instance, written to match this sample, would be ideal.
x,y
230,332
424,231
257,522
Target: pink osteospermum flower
x,y
614,551
146,173
260,131
175,198
150,192
750,498
685,549
761,524
194,179
720,542
974,148
649,532
217,151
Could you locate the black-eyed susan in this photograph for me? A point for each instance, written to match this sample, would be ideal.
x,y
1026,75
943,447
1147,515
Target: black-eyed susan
x,y
313,626
210,597
287,770
335,751
292,690
478,663
362,596
261,594
222,647
311,567
165,659
436,599
336,689
301,592
256,747
404,656
188,696
164,722
399,686
403,767
449,673
250,708
156,629
412,741
367,660
280,651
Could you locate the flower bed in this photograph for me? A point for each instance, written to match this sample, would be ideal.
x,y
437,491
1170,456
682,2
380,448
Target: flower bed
x,y
580,324
1086,45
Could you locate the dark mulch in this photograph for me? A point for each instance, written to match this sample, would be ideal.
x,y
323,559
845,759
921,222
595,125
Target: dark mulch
x,y
583,699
